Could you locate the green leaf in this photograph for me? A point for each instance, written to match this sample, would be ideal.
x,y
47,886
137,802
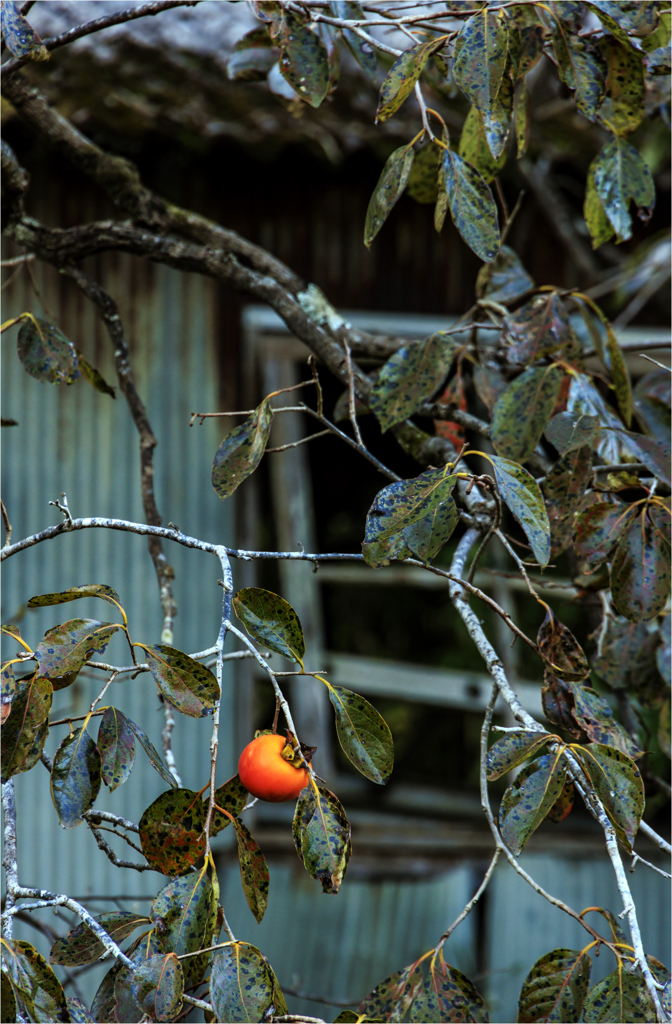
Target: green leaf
x,y
184,682
400,507
117,748
157,986
619,996
153,755
565,494
241,984
581,69
389,188
271,621
651,397
305,61
8,689
480,58
427,536
560,649
625,21
595,717
46,353
253,871
568,431
392,998
597,222
422,184
363,734
521,494
448,995
618,784
556,987
94,377
474,147
251,57
20,37
125,1007
363,52
513,749
622,110
402,76
613,359
33,981
171,831
640,571
26,728
410,377
321,834
185,913
497,120
504,280
471,205
599,529
537,329
104,1001
523,410
81,946
231,796
521,120
616,658
8,1001
563,805
67,647
528,800
622,175
100,590
241,451
557,701
654,453
75,777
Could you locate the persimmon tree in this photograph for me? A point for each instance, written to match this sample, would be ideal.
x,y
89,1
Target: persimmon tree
x,y
577,458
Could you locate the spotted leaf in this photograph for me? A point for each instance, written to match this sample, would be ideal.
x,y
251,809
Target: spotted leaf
x,y
157,986
363,734
241,451
389,188
402,76
528,800
27,725
184,682
410,377
67,647
471,205
117,748
322,836
512,750
253,870
522,496
242,984
185,914
556,987
618,784
523,410
172,831
81,946
271,621
46,353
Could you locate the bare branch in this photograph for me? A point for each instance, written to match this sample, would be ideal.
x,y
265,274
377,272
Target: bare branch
x,y
97,26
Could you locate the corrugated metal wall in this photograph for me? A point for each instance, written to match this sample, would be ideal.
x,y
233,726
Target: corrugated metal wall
x,y
77,440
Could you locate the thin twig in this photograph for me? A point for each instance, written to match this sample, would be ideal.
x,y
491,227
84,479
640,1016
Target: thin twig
x,y
351,396
54,42
295,444
7,524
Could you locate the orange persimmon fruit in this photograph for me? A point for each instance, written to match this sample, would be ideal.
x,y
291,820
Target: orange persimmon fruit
x,y
266,774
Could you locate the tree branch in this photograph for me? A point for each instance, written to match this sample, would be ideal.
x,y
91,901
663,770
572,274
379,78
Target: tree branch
x,y
96,26
109,314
